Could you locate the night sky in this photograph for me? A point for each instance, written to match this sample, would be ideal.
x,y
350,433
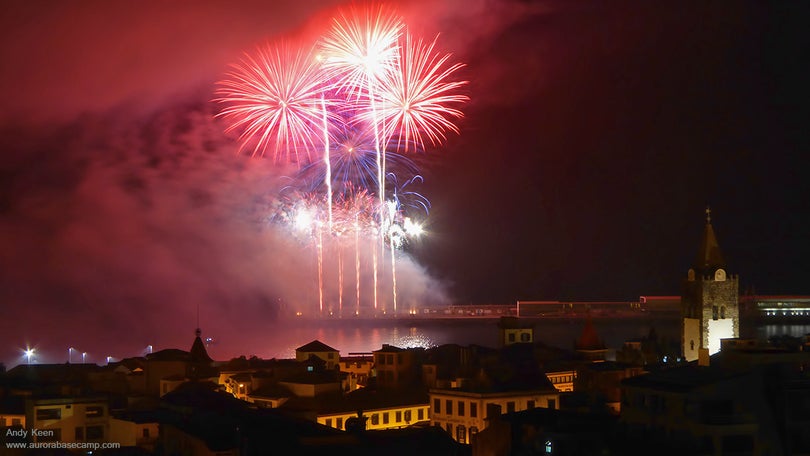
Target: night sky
x,y
596,135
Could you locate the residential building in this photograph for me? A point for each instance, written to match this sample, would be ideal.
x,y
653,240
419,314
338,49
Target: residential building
x,y
512,330
562,379
358,367
382,409
166,369
395,367
69,419
317,348
546,431
723,408
463,411
12,412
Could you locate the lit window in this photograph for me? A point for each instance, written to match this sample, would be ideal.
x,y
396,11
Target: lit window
x,y
461,434
94,411
49,414
549,447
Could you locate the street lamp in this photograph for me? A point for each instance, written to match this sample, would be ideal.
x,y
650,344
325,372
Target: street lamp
x,y
84,355
70,355
29,352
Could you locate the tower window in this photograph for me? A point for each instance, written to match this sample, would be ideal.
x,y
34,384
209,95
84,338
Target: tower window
x,y
723,312
714,312
691,345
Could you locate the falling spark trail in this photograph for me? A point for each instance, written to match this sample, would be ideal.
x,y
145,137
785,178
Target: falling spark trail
x,y
374,264
320,269
340,279
393,272
357,260
327,162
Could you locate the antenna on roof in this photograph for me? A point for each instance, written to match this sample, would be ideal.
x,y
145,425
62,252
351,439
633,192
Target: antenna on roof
x,y
198,332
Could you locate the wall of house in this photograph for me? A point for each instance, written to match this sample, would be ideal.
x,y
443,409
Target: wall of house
x,y
398,417
69,421
468,412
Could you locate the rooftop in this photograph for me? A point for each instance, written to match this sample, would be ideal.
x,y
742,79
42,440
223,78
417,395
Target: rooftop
x,y
315,346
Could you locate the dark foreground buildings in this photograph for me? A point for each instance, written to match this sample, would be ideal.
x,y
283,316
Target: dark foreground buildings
x,y
712,393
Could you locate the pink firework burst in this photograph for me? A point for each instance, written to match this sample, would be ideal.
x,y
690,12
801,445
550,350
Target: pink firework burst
x,y
419,101
361,48
275,100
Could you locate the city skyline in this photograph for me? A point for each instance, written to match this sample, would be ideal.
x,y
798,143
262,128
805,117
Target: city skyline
x,y
594,139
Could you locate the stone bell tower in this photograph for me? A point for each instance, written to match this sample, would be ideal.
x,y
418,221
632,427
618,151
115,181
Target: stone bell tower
x,y
710,308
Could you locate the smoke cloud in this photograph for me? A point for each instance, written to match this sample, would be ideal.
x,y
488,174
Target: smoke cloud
x,y
124,208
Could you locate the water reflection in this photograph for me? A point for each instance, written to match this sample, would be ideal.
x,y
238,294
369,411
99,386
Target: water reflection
x,y
282,341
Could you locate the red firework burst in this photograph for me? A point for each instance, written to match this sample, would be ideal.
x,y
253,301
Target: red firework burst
x,y
420,99
274,99
361,48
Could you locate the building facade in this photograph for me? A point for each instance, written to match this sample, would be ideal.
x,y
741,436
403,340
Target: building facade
x,y
464,412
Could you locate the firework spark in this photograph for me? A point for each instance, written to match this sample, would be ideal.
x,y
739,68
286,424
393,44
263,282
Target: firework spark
x,y
371,95
361,48
419,100
275,100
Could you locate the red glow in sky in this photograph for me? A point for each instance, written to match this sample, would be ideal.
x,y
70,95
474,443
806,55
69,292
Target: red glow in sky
x,y
595,136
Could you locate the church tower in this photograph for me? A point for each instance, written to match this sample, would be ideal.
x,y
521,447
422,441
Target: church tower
x,y
710,308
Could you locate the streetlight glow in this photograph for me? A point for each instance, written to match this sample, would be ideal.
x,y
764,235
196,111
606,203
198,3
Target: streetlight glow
x,y
29,352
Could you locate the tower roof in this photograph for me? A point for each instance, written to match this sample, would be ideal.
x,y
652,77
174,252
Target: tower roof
x,y
198,353
709,256
589,339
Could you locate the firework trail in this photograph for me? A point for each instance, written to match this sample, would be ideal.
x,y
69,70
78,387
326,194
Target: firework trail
x,y
361,49
327,162
398,228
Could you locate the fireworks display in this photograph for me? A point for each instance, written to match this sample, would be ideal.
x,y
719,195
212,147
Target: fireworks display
x,y
346,114
276,100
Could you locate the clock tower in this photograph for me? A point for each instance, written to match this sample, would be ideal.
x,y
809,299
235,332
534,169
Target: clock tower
x,y
710,308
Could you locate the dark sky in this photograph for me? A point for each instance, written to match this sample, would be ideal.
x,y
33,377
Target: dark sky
x,y
596,135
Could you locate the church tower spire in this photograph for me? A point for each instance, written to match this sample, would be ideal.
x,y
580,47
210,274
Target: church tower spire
x,y
710,307
709,257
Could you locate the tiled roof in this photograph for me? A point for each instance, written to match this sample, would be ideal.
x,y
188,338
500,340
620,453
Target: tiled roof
x,y
389,349
315,346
